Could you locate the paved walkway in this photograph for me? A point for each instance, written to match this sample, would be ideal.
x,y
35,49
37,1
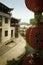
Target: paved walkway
x,y
12,51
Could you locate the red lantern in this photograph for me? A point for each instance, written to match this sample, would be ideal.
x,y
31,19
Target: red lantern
x,y
35,37
34,5
28,33
32,59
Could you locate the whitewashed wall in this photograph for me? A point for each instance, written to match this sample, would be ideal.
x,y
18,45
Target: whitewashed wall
x,y
6,27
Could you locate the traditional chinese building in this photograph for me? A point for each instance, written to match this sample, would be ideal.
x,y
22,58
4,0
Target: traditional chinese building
x,y
15,24
10,41
8,25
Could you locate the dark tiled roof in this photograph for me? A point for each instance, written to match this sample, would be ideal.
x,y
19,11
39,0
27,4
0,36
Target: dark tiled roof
x,y
14,20
4,8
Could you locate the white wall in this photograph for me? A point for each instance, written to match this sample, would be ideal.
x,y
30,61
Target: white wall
x,y
4,28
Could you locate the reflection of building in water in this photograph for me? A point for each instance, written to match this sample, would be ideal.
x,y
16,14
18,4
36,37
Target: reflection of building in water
x,y
8,29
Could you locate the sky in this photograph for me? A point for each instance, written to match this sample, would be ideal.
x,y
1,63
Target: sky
x,y
20,10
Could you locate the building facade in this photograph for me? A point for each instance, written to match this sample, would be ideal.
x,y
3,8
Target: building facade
x,y
7,27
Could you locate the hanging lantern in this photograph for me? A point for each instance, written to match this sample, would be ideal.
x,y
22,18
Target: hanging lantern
x,y
34,5
28,33
34,34
36,37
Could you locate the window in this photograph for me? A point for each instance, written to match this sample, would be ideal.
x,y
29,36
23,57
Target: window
x,y
16,31
11,33
0,20
6,20
6,33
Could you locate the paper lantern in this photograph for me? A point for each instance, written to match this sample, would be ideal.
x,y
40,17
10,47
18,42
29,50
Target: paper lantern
x,y
34,36
34,5
28,33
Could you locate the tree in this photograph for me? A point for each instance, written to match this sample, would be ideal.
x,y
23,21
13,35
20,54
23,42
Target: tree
x,y
33,21
11,62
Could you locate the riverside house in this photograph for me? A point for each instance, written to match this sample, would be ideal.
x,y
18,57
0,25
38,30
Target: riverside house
x,y
8,25
12,44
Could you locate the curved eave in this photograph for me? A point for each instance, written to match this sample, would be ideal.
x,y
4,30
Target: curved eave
x,y
4,8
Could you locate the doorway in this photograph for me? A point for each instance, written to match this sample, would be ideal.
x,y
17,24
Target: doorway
x,y
11,33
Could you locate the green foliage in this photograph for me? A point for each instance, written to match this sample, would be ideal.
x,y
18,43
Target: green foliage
x,y
22,32
27,47
33,21
14,62
11,62
41,53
